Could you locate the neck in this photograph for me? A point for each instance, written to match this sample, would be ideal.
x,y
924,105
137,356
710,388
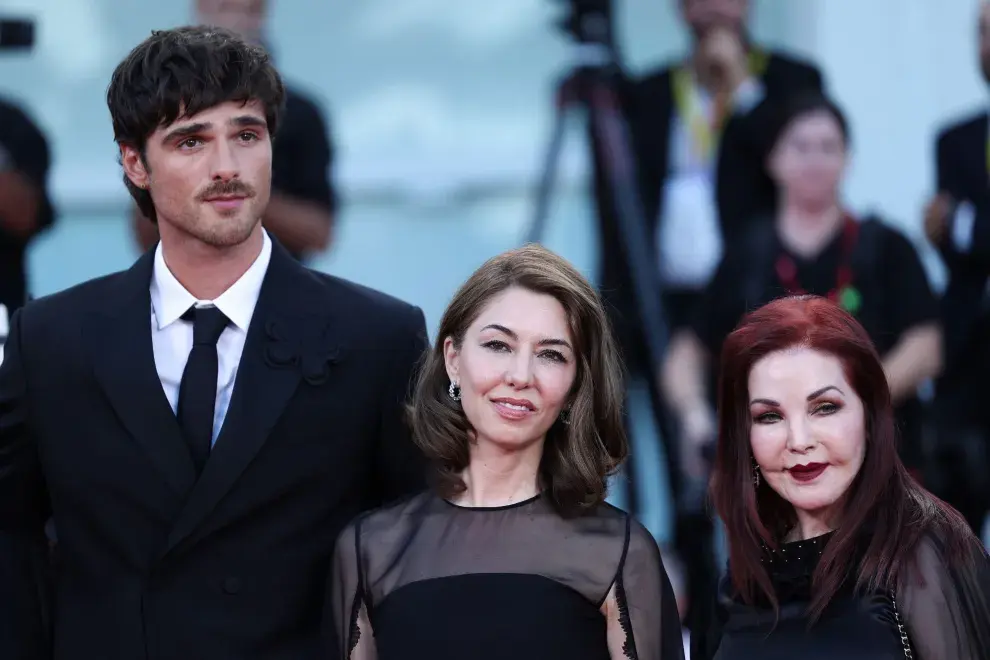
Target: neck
x,y
204,270
805,229
811,524
498,477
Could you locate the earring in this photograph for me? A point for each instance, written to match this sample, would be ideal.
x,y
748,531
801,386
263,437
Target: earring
x,y
565,416
756,474
454,391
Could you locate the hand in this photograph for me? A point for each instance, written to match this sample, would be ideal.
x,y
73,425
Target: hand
x,y
698,431
723,60
938,217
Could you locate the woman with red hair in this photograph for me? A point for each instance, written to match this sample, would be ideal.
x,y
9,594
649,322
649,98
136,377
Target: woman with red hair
x,y
835,551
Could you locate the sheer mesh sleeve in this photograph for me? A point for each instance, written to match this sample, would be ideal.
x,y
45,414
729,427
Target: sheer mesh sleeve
x,y
350,629
647,611
943,606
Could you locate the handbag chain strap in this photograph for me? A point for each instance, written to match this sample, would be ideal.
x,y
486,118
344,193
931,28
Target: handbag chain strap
x,y
901,629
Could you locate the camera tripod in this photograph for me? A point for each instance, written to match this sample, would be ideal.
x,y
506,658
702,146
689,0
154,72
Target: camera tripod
x,y
590,87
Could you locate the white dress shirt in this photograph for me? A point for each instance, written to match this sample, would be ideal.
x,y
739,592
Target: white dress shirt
x,y
689,236
172,338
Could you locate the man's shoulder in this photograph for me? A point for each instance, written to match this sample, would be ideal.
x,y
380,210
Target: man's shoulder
x,y
76,300
300,103
791,61
787,73
363,302
963,128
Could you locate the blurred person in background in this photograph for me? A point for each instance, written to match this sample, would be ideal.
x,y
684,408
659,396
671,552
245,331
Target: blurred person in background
x,y
303,206
813,244
25,207
957,222
699,137
835,551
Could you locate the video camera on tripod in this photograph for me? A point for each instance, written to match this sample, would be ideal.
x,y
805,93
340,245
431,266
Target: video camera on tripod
x,y
16,34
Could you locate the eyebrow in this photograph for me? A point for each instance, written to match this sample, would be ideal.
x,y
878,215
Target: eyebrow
x,y
811,397
549,341
241,121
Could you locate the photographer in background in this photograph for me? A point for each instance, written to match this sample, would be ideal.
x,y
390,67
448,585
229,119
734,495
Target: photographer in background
x,y
700,130
957,222
25,208
303,203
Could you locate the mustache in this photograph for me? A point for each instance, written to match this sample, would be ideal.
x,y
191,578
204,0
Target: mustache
x,y
226,188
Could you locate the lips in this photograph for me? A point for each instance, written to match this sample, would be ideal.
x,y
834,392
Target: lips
x,y
226,203
513,409
807,472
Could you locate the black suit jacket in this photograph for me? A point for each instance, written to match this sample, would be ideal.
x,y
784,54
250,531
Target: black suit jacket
x,y
962,172
743,189
152,563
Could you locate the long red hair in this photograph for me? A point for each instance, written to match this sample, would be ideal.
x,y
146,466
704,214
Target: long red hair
x,y
886,508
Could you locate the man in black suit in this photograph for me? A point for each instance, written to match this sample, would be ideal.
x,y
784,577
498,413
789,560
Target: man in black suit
x,y
202,425
957,222
700,131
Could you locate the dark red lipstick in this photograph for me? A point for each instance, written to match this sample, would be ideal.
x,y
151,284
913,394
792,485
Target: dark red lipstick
x,y
809,472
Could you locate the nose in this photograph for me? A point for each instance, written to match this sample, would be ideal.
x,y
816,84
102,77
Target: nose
x,y
225,166
799,437
520,372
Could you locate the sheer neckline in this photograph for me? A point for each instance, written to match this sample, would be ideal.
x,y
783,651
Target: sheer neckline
x,y
502,507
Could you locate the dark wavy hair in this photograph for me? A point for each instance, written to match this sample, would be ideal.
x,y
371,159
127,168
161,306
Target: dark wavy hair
x,y
178,73
886,510
578,457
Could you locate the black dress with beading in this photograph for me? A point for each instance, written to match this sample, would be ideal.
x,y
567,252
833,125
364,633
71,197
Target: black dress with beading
x,y
938,612
429,579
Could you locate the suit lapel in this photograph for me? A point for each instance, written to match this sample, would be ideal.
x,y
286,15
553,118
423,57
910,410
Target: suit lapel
x,y
119,338
288,314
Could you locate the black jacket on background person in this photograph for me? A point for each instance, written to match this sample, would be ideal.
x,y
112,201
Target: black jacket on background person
x,y
743,189
963,171
958,471
25,150
151,562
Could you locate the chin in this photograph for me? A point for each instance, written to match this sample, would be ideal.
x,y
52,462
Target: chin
x,y
814,502
510,438
226,235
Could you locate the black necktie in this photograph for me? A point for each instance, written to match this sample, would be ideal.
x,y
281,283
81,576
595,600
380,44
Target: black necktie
x,y
198,390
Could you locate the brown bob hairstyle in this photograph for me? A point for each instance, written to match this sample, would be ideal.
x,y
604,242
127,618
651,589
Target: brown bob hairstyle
x,y
886,511
578,457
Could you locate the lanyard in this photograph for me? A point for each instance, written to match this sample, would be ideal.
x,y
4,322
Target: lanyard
x,y
843,293
705,132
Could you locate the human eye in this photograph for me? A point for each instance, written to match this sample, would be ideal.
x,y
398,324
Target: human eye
x,y
554,356
496,345
826,408
767,417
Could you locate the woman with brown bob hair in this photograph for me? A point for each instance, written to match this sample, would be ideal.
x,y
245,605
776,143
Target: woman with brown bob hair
x,y
514,554
835,551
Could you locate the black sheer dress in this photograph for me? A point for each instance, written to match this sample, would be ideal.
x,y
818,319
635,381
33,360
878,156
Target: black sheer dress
x,y
429,579
938,613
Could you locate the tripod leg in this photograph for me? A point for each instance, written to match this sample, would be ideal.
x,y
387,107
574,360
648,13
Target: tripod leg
x,y
551,164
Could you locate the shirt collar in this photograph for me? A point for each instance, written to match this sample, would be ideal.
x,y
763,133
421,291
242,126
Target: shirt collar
x,y
170,300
